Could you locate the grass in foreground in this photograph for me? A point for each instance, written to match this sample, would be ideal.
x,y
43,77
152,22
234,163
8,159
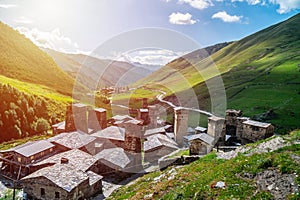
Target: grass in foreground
x,y
193,181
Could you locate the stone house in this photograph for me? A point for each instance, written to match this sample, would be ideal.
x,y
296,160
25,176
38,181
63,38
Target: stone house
x,y
58,128
114,161
157,146
254,130
244,130
200,144
154,131
110,137
61,181
74,140
20,159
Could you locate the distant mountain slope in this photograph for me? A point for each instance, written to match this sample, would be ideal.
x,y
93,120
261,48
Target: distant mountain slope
x,y
93,70
22,60
261,72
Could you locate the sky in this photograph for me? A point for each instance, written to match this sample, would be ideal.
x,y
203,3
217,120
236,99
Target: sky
x,y
80,26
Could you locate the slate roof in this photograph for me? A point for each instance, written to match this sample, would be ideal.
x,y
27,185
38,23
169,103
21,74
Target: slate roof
x,y
76,158
201,129
153,131
114,158
112,133
60,125
202,136
158,141
31,148
122,117
62,175
256,123
72,140
94,178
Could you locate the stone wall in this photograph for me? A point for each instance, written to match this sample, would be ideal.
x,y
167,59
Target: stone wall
x,y
97,119
76,118
180,125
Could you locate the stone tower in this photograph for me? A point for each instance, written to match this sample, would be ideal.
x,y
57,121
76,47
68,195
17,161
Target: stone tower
x,y
97,119
76,118
143,114
215,128
180,124
153,116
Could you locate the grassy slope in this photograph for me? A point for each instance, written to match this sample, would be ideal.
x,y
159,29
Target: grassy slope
x,y
22,60
260,72
193,181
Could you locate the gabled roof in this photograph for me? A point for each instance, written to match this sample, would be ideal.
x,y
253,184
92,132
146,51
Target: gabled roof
x,y
31,148
72,140
60,125
76,158
158,141
100,110
112,133
114,158
62,175
202,136
122,118
153,131
256,123
201,129
94,178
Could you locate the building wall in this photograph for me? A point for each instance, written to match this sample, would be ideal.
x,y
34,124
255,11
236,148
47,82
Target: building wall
x,y
255,133
97,120
180,125
32,187
155,154
215,127
76,118
197,147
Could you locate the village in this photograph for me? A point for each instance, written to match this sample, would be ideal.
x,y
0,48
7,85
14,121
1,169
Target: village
x,y
87,147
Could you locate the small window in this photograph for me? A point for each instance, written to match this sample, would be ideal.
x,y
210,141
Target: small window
x,y
31,157
43,192
19,159
51,149
57,195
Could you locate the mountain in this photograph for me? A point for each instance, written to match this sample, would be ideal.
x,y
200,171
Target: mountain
x,y
261,74
22,60
90,70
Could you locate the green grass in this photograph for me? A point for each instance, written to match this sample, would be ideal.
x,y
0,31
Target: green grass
x,y
35,89
193,181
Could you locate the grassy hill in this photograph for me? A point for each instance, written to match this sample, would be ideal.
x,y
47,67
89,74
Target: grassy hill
x,y
22,60
261,72
256,172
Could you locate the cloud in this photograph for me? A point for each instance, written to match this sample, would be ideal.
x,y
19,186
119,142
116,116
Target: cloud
x,y
181,19
7,5
23,20
286,6
198,4
250,2
150,57
51,40
226,17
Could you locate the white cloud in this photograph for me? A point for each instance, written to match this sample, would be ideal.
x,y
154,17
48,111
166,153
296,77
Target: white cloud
x,y
150,57
51,40
7,5
251,2
286,6
226,17
198,4
181,19
23,20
